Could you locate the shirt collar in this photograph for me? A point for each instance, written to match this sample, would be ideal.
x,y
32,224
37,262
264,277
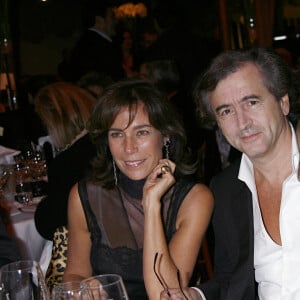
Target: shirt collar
x,y
105,36
246,167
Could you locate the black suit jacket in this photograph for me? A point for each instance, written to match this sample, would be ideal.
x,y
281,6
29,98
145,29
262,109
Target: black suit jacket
x,y
92,53
234,239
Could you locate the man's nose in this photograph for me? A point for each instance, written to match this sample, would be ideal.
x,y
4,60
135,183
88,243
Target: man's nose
x,y
243,118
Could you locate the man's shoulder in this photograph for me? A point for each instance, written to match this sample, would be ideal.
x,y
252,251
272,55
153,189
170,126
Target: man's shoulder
x,y
227,178
230,172
91,37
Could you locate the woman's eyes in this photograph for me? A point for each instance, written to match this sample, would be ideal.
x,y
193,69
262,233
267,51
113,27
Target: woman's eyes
x,y
142,132
117,134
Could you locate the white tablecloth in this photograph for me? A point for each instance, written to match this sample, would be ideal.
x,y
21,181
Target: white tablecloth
x,y
30,242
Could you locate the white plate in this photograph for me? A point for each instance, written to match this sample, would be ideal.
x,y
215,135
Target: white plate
x,y
17,208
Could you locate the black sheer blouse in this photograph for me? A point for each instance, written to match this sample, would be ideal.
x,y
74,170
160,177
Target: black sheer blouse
x,y
115,219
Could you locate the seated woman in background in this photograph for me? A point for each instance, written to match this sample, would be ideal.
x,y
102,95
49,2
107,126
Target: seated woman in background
x,y
65,109
142,201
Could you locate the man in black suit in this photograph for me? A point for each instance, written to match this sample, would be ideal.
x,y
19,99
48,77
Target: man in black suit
x,y
95,51
256,217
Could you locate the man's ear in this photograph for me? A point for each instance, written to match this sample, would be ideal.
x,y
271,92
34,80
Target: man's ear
x,y
285,104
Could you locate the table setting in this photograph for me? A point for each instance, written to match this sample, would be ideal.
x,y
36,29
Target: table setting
x,y
21,221
23,181
24,280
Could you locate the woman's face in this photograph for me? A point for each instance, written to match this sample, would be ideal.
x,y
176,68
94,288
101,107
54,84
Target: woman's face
x,y
136,148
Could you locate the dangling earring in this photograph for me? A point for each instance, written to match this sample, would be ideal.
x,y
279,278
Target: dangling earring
x,y
167,150
115,173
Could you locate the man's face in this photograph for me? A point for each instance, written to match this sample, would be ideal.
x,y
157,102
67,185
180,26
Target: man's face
x,y
110,23
248,114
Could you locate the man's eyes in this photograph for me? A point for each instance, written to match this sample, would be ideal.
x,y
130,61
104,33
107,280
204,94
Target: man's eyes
x,y
225,112
246,105
252,102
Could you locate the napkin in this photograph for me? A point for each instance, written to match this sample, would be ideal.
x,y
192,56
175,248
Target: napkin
x,y
7,155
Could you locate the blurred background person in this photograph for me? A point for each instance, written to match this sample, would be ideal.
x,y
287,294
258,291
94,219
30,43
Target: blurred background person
x,y
165,75
95,50
64,109
95,82
187,35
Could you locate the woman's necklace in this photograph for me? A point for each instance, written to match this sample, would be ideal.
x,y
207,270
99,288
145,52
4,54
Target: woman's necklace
x,y
77,137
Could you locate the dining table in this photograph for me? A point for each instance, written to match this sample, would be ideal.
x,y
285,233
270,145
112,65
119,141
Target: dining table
x,y
31,244
20,204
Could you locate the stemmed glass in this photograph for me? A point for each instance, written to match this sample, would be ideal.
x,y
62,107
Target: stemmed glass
x,y
38,172
37,165
23,184
106,287
4,174
70,291
23,280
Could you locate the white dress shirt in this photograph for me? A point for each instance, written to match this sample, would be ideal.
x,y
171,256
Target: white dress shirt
x,y
101,33
277,268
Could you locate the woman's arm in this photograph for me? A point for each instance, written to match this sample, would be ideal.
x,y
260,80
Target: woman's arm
x,y
191,224
79,242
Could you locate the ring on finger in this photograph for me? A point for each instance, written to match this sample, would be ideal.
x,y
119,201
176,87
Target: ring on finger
x,y
165,169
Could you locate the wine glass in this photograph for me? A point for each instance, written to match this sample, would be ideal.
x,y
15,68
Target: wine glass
x,y
38,172
23,184
70,291
37,165
106,287
23,280
4,174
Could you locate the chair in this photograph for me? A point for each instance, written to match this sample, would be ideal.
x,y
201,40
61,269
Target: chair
x,y
57,265
45,143
206,259
204,269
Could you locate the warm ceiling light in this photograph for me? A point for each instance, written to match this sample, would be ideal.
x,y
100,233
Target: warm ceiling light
x,y
130,10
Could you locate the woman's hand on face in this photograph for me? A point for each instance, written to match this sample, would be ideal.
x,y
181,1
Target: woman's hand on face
x,y
159,181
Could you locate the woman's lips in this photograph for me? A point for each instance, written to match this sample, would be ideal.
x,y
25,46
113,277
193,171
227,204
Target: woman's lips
x,y
134,163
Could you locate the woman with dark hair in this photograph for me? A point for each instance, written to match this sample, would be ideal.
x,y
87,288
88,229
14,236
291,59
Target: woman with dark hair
x,y
142,213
